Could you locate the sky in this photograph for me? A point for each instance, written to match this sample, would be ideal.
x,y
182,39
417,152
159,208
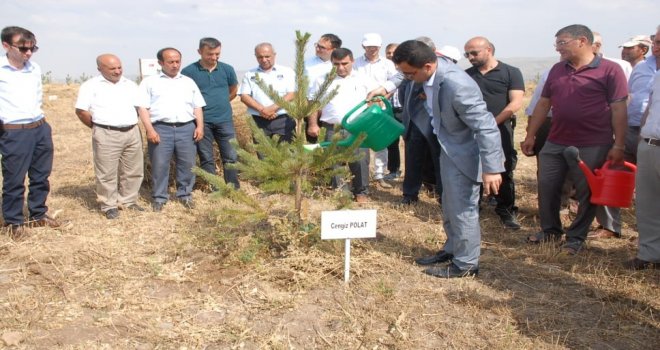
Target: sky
x,y
72,33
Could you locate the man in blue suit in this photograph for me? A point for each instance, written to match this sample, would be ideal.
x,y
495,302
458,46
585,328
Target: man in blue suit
x,y
471,152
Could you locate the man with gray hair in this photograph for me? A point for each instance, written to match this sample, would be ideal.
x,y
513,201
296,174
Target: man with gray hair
x,y
106,105
268,116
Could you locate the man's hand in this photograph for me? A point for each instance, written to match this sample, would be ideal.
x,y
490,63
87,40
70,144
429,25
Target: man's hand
x,y
313,130
615,155
380,91
153,137
198,134
527,146
491,183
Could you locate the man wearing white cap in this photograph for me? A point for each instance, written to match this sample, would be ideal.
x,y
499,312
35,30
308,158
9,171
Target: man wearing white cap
x,y
379,69
451,52
635,49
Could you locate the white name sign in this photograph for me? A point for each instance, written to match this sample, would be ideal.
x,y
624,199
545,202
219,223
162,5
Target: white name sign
x,y
343,224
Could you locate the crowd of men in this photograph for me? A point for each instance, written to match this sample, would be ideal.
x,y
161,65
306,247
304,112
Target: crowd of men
x,y
459,127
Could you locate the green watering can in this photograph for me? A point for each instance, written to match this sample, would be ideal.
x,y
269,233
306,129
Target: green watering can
x,y
377,123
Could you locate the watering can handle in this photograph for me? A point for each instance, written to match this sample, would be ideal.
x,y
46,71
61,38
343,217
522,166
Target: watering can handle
x,y
628,165
388,107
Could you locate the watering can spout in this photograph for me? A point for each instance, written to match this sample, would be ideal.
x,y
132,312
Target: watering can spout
x,y
592,179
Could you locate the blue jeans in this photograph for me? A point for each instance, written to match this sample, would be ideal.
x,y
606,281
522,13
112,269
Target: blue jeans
x,y
177,141
222,133
25,152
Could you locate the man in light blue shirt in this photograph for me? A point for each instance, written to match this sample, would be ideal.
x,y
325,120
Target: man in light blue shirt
x,y
639,87
26,142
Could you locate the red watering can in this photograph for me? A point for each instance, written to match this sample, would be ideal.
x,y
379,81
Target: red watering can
x,y
609,186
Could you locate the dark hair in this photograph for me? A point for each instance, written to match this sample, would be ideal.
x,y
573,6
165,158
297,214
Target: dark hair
x,y
159,55
333,39
211,43
8,34
577,30
390,45
415,53
341,53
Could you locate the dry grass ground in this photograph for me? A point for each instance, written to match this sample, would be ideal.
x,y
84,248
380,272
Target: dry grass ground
x,y
169,281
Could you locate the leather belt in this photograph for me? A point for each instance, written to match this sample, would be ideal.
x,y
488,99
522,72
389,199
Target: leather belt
x,y
115,128
175,124
23,126
652,142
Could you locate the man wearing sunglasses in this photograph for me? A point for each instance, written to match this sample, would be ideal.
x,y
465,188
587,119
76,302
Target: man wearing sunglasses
x,y
26,143
319,66
503,88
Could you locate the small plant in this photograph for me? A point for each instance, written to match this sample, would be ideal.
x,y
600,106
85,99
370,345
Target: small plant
x,y
47,78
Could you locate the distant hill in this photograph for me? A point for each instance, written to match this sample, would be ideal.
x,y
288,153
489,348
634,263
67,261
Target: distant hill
x,y
531,67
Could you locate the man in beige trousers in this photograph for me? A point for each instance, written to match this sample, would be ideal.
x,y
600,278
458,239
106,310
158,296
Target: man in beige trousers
x,y
106,104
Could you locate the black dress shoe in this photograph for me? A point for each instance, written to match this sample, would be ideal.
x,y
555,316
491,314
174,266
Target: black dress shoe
x,y
451,271
639,264
188,203
135,207
509,221
440,257
157,206
408,200
112,214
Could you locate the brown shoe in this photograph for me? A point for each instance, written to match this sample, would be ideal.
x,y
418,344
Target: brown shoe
x,y
603,233
383,184
16,232
361,198
639,264
46,221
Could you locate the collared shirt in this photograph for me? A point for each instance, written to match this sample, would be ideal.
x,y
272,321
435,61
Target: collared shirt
x,y
170,100
352,91
639,85
316,68
536,96
214,86
496,84
21,93
625,65
380,70
580,100
281,78
109,103
651,128
428,91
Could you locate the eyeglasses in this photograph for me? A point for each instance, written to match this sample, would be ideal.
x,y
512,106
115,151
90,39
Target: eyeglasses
x,y
409,75
321,47
471,53
563,42
25,49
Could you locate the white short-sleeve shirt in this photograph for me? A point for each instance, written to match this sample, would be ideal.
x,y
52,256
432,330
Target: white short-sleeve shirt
x,y
109,103
353,89
170,100
281,78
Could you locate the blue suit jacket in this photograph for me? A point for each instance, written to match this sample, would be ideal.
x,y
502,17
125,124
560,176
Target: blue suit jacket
x,y
466,131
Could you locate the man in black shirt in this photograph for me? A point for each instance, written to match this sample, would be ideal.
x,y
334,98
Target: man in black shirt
x,y
503,88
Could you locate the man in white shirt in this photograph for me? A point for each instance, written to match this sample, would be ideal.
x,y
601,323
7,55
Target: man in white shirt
x,y
379,69
352,89
318,66
268,116
170,107
106,104
647,187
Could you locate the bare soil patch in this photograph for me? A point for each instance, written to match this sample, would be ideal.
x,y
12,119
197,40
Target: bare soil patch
x,y
169,281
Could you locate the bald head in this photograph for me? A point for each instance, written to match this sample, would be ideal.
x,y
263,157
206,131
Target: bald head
x,y
598,42
110,67
479,51
265,55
